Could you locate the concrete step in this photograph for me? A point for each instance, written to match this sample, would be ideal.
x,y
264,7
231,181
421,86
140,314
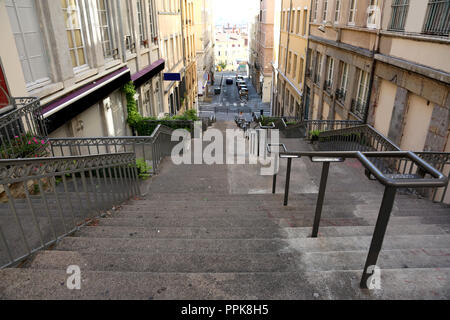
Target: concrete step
x,y
298,220
396,284
299,245
166,262
252,233
243,262
388,259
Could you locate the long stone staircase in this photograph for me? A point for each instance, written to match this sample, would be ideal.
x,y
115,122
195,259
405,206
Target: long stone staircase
x,y
217,232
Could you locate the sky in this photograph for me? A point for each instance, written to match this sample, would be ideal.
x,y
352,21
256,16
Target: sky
x,y
235,11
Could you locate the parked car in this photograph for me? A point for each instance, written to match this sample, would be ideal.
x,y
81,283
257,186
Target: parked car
x,y
217,90
240,78
242,86
229,81
240,82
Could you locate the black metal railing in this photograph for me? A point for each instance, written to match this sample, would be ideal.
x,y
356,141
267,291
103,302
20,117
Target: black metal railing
x,y
43,200
152,149
365,138
437,21
23,122
431,178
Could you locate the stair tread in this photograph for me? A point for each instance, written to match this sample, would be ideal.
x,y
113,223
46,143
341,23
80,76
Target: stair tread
x,y
51,284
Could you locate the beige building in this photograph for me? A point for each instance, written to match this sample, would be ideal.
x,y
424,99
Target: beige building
x,y
231,49
261,52
205,42
290,60
171,42
77,55
189,83
343,41
410,98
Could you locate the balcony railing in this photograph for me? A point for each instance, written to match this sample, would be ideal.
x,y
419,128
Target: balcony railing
x,y
437,21
25,120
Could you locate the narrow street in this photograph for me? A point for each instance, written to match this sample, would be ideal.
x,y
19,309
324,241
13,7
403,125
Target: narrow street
x,y
228,104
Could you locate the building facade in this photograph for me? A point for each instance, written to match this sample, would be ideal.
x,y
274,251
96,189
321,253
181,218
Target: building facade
x,y
410,98
77,55
261,51
343,40
290,61
205,43
189,85
231,49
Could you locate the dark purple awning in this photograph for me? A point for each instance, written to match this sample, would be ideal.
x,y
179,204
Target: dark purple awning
x,y
148,73
82,92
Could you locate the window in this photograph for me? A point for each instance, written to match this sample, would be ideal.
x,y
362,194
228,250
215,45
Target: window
x,y
74,33
373,13
26,30
318,68
291,104
143,37
292,21
437,20
300,73
299,16
362,95
294,68
152,17
289,63
282,20
330,73
342,92
352,13
337,11
314,11
325,10
305,21
130,43
104,18
398,15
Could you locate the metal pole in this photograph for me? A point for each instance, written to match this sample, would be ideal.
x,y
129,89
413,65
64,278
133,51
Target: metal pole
x,y
320,199
378,235
288,178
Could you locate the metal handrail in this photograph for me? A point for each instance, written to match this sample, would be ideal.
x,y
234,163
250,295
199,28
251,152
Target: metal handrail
x,y
152,149
51,198
366,138
391,183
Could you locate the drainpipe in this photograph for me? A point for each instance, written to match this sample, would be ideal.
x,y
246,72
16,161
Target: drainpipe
x,y
304,116
375,50
121,34
287,49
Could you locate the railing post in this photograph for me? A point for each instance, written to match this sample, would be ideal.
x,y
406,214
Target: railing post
x,y
379,233
320,199
288,179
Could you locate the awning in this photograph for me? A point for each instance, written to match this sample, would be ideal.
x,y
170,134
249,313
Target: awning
x,y
60,111
148,73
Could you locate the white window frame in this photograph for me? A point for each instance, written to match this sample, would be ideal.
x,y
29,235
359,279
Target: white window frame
x,y
344,77
142,23
373,14
315,8
362,93
79,68
352,12
325,10
109,27
35,83
330,71
337,11
152,17
129,20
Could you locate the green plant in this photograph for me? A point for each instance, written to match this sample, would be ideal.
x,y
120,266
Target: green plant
x,y
143,169
223,65
134,117
25,146
314,134
267,121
